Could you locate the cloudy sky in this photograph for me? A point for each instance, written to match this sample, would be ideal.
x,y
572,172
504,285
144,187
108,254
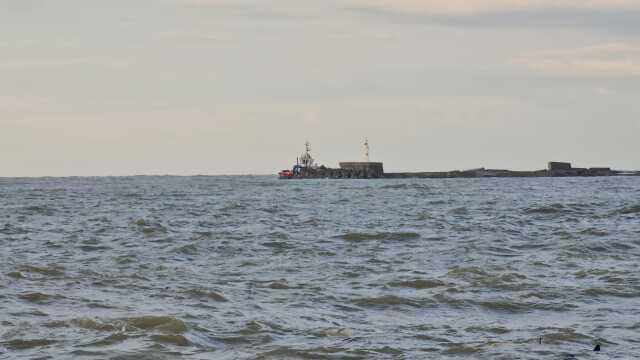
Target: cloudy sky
x,y
236,86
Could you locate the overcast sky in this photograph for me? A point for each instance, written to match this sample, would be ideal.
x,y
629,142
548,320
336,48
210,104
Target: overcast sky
x,y
183,87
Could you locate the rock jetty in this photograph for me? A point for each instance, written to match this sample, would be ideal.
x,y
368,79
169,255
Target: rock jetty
x,y
375,170
306,168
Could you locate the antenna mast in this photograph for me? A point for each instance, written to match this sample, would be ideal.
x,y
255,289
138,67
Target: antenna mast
x,y
366,150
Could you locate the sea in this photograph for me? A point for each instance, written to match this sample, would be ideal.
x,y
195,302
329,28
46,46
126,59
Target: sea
x,y
252,267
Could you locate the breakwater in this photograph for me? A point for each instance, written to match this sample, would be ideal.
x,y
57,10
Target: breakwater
x,y
375,170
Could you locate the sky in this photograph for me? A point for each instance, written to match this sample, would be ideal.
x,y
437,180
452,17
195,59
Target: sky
x,y
183,87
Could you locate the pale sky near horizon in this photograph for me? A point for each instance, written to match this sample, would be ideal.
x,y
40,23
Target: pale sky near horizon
x,y
236,86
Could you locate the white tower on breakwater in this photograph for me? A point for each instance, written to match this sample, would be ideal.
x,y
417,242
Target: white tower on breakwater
x,y
366,150
363,169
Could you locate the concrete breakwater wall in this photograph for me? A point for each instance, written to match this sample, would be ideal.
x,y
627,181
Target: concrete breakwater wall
x,y
500,173
371,170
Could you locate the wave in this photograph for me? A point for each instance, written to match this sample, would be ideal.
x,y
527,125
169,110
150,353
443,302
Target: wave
x,y
85,353
255,327
495,279
171,339
463,210
93,248
24,344
417,283
611,291
278,245
546,209
206,295
594,232
15,275
321,352
628,210
504,305
149,228
166,324
395,186
233,205
109,340
378,236
279,235
499,330
560,336
281,284
333,332
386,301
160,329
253,332
39,298
39,210
90,324
9,229
469,271
190,249
461,349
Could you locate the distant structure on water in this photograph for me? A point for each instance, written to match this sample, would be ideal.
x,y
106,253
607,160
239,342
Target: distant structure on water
x,y
306,168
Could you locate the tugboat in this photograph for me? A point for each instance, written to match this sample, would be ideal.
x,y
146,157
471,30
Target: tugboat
x,y
285,174
303,162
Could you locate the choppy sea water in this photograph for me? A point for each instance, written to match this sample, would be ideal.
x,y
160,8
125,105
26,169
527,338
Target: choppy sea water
x,y
257,268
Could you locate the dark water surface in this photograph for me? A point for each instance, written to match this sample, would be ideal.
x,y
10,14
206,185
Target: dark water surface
x,y
256,268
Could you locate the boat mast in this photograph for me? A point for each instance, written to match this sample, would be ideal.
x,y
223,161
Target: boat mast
x,y
306,159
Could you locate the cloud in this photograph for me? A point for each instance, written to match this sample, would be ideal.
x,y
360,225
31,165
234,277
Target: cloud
x,y
466,7
605,60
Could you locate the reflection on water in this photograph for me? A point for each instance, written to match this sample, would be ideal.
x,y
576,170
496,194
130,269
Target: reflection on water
x,y
256,268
